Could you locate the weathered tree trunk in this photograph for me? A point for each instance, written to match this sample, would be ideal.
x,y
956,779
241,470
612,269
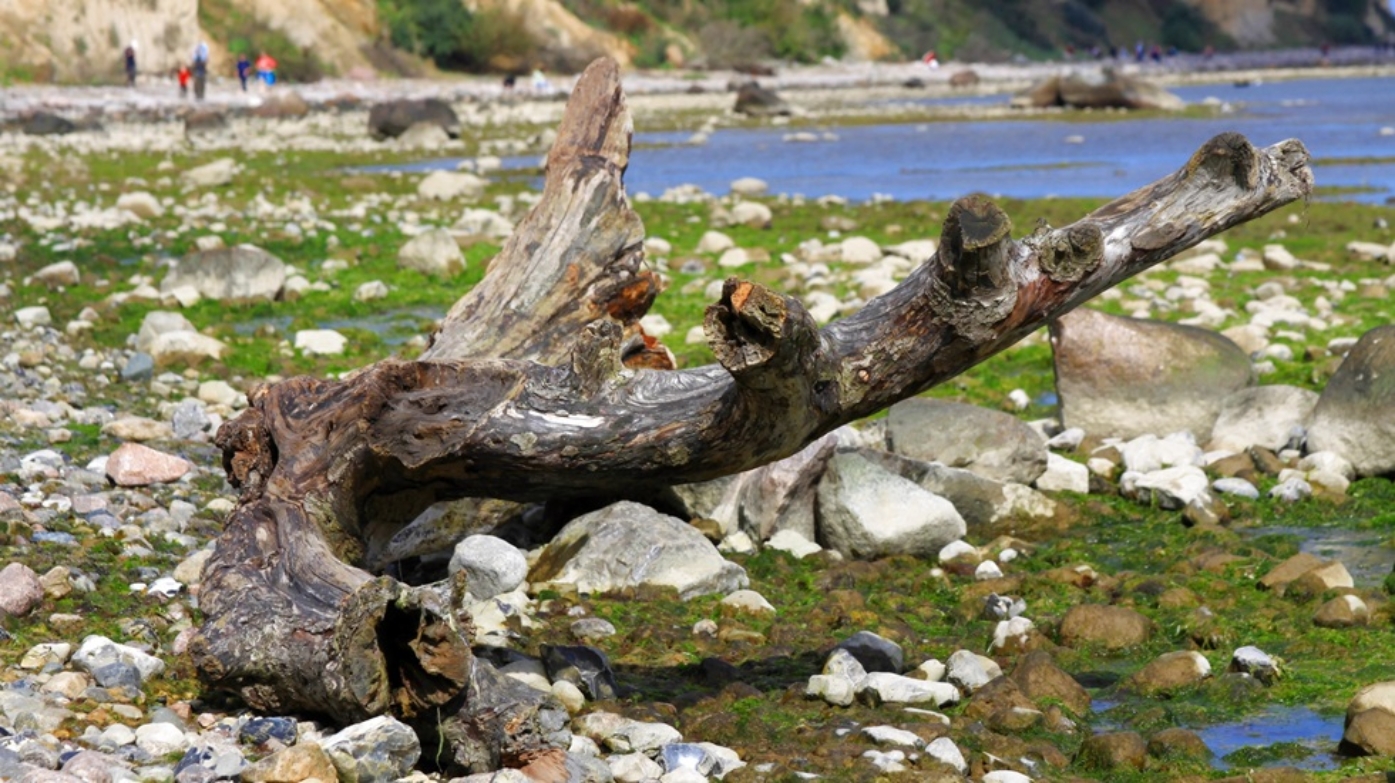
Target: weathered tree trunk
x,y
525,394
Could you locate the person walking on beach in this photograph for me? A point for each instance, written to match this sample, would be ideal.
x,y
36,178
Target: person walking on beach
x,y
131,65
243,67
266,71
183,76
200,69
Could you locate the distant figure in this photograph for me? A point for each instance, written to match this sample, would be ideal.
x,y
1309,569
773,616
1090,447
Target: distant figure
x,y
200,69
243,67
184,75
540,83
509,81
266,71
131,65
931,59
1139,52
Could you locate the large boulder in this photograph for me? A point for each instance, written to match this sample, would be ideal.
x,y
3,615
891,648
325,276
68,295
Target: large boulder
x,y
1370,721
282,105
980,501
45,123
865,511
391,119
757,101
1128,377
1265,416
630,545
992,444
245,273
1355,416
1103,88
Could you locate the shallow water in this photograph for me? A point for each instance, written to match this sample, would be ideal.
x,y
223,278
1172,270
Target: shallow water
x,y
1366,554
1298,725
1340,120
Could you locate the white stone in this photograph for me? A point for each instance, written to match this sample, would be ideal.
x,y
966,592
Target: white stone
x,y
161,739
1012,632
448,185
749,601
1063,475
859,250
320,342
890,735
141,204
371,291
896,689
714,242
956,550
944,750
433,252
1172,488
793,543
30,317
832,688
633,768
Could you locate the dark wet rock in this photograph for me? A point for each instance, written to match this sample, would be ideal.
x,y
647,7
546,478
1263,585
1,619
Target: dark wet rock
x,y
1119,750
1355,415
117,674
990,443
1129,377
1103,88
867,512
259,731
1110,627
45,123
1169,673
757,101
585,667
875,653
391,119
1177,743
1040,678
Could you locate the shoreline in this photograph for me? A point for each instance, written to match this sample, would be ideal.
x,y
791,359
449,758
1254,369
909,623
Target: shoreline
x,y
158,98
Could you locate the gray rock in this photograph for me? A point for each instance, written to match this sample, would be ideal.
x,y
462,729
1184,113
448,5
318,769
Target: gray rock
x,y
140,367
1128,377
378,750
1261,416
1355,415
980,501
867,512
211,175
990,443
585,667
245,273
1172,488
434,252
781,495
886,688
1236,486
391,119
97,651
492,565
757,101
191,420
875,653
630,545
834,689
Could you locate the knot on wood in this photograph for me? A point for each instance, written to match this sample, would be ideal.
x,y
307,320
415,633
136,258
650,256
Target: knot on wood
x,y
744,329
597,357
974,246
1229,159
1069,254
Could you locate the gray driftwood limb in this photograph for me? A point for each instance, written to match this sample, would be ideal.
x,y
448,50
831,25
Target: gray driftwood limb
x,y
536,387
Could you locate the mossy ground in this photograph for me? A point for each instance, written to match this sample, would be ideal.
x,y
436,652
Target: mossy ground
x,y
744,687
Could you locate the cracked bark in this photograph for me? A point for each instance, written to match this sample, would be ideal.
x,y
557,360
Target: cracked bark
x,y
539,385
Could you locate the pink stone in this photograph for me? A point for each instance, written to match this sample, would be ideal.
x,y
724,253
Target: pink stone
x,y
134,465
20,589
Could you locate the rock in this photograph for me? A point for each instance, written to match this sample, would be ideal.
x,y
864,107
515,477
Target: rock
x,y
1277,258
449,185
141,204
1172,488
748,602
859,250
20,590
867,512
134,465
1256,663
205,122
1128,377
434,252
749,187
161,739
30,317
887,688
992,444
1040,678
492,565
625,735
832,688
184,347
980,501
43,123
969,671
1355,415
482,223
1110,627
320,342
1120,750
757,101
1177,744
97,651
751,214
1261,416
1370,722
633,768
781,495
1098,88
1344,611
299,762
245,273
943,750
583,666
793,543
391,119
158,322
211,175
58,275
1064,475
378,750
630,545
1371,251
281,105
1169,673
1280,576
714,242
872,652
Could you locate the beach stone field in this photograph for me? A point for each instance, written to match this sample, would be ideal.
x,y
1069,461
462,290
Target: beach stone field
x,y
1170,510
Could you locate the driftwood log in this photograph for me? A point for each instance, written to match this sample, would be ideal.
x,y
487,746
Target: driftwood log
x,y
540,385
